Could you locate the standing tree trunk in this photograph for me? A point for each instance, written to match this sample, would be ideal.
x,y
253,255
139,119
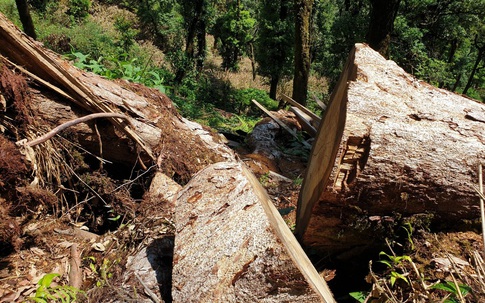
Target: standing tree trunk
x,y
194,20
303,12
481,50
26,18
273,86
382,16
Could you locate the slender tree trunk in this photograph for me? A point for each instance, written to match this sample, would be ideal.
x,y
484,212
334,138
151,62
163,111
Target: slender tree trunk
x,y
26,18
382,16
474,69
253,60
273,86
192,28
303,12
451,56
457,82
201,44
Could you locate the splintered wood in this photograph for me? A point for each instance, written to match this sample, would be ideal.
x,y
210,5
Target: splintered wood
x,y
232,245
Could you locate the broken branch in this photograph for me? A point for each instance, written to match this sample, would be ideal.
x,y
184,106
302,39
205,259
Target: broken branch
x,y
63,126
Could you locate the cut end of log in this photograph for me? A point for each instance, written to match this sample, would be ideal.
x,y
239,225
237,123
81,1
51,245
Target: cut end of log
x,y
233,246
388,143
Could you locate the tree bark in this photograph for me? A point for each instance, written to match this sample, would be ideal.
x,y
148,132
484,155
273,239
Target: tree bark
x,y
388,144
382,16
232,245
303,13
26,18
67,93
273,86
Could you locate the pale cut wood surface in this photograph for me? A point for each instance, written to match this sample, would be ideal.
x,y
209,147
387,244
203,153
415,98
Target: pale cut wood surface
x,y
231,244
389,144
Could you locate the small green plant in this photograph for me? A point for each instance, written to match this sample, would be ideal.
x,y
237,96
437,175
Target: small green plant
x,y
409,232
298,181
103,271
264,179
360,296
61,293
119,68
451,288
394,263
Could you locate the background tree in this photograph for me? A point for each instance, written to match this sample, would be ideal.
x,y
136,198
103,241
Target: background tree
x,y
274,47
303,13
234,31
382,16
26,18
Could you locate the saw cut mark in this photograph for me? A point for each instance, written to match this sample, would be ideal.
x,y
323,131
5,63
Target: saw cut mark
x,y
352,162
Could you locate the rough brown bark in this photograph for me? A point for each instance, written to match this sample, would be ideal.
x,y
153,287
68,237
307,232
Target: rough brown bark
x,y
26,18
382,16
303,12
67,93
388,144
232,245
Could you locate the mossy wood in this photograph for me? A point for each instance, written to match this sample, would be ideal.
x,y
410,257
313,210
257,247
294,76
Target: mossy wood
x,y
388,144
232,245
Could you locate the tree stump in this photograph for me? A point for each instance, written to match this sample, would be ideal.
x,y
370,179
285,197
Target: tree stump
x,y
388,144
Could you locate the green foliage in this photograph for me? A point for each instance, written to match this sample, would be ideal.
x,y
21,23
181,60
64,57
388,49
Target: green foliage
x,y
243,97
360,296
161,22
234,30
450,288
119,68
78,9
336,27
274,50
46,293
102,272
127,33
394,263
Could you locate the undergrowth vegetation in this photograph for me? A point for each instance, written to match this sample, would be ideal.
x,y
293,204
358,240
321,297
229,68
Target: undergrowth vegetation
x,y
110,48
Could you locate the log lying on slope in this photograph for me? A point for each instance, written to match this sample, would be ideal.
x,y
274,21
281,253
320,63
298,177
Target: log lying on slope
x,y
153,132
231,244
388,143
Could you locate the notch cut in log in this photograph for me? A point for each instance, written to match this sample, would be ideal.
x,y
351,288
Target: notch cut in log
x,y
387,144
232,245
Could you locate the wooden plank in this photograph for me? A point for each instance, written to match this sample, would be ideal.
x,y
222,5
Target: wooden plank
x,y
324,151
285,127
319,102
314,117
304,120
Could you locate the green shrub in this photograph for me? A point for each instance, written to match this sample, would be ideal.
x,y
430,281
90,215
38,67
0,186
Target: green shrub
x,y
78,9
243,99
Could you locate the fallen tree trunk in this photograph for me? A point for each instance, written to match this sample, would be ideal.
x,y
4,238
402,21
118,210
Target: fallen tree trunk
x,y
232,245
152,132
388,144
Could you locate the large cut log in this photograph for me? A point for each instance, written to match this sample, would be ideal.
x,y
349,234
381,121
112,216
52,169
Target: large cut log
x,y
388,144
231,244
